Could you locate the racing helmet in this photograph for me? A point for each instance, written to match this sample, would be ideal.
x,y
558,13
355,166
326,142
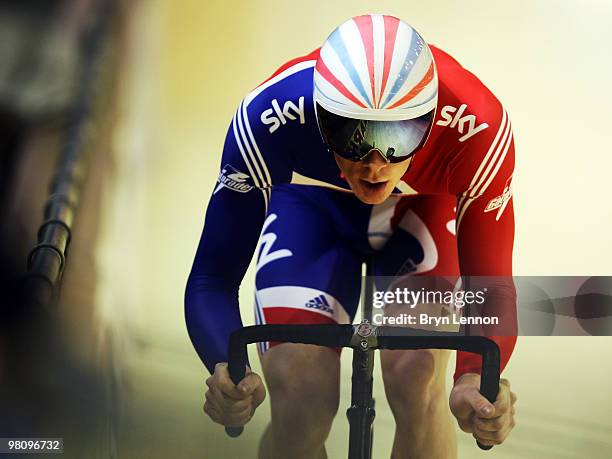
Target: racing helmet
x,y
375,89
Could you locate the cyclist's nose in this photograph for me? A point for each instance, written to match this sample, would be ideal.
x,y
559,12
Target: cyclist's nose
x,y
374,160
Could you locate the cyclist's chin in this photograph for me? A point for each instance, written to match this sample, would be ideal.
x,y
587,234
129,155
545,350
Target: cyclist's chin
x,y
372,193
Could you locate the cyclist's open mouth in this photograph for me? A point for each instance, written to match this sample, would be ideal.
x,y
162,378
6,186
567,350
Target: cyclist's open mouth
x,y
373,187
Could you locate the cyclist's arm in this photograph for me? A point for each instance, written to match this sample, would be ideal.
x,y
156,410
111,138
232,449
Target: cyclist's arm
x,y
231,229
485,233
258,152
234,219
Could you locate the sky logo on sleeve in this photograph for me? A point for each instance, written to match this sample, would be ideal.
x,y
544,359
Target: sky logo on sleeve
x,y
277,116
232,178
466,125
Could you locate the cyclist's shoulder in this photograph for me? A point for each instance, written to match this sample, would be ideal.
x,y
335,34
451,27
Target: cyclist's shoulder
x,y
285,97
470,119
289,73
462,92
275,122
473,124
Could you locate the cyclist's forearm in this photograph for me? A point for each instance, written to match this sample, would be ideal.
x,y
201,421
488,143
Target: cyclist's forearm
x,y
500,307
232,227
211,314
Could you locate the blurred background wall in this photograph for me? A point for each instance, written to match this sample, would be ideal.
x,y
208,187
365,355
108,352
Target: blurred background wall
x,y
182,68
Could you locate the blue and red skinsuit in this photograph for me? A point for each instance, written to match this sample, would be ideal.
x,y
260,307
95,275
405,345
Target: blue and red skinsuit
x,y
275,169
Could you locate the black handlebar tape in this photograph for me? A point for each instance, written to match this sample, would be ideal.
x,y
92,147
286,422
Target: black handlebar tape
x,y
237,371
234,431
332,335
395,338
489,379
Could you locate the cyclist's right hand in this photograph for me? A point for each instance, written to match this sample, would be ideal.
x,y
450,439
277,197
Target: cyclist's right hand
x,y
229,404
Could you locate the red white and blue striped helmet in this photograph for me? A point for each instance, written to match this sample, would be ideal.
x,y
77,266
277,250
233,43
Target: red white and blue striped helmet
x,y
376,67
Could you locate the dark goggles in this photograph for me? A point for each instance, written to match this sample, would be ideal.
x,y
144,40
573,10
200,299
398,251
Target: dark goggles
x,y
354,139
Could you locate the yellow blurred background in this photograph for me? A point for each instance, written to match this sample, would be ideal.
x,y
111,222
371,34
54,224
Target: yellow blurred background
x,y
190,62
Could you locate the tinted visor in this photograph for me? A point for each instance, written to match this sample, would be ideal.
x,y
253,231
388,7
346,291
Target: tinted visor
x,y
354,139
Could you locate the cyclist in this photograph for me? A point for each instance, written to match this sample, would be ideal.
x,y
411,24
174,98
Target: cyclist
x,y
375,143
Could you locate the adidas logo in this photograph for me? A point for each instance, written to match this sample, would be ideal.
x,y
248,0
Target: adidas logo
x,y
320,303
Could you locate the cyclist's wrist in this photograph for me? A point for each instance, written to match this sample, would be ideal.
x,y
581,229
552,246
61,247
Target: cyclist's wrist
x,y
472,379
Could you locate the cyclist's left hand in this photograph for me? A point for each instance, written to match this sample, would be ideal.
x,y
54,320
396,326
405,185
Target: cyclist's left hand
x,y
489,423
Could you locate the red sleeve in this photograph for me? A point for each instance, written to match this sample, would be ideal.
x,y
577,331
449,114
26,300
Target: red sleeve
x,y
480,176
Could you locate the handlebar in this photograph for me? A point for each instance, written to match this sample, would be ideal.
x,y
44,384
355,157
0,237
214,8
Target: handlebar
x,y
335,335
